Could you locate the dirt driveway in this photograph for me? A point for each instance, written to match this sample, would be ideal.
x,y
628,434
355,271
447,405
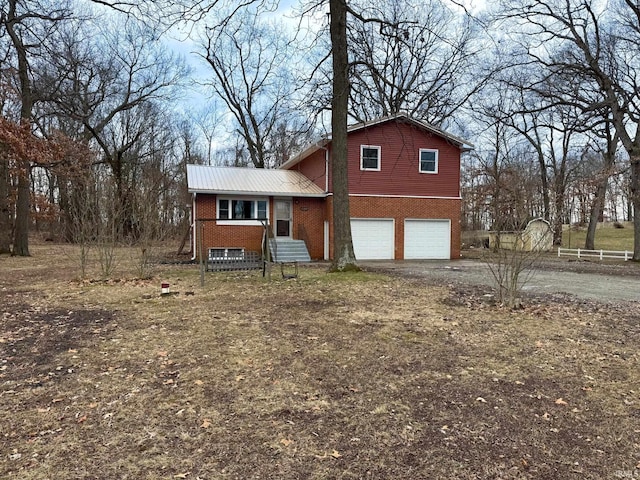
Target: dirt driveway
x,y
600,282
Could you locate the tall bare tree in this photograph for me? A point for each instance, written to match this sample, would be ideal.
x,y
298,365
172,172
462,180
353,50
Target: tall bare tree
x,y
250,59
27,23
606,150
344,257
417,57
586,40
109,81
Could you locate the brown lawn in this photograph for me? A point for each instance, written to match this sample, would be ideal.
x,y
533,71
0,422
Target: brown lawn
x,y
325,377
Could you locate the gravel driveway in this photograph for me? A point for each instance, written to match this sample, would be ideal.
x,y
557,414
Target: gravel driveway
x,y
620,284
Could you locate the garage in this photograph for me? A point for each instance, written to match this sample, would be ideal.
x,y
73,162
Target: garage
x,y
373,238
427,239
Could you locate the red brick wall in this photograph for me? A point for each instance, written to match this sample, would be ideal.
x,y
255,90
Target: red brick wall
x,y
401,208
309,215
308,225
249,237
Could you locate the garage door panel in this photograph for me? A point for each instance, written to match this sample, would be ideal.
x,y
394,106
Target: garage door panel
x,y
373,239
427,239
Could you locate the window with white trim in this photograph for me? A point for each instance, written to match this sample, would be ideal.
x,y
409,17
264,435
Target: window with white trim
x,y
428,161
242,209
369,157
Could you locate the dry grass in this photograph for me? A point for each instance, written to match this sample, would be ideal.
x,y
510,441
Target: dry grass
x,y
606,238
327,376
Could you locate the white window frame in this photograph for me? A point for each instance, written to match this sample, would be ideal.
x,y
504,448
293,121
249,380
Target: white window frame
x,y
428,172
246,222
373,147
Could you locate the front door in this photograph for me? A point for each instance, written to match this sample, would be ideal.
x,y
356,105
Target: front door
x,y
283,218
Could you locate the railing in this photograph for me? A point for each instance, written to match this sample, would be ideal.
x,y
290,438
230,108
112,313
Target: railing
x,y
600,254
246,261
269,250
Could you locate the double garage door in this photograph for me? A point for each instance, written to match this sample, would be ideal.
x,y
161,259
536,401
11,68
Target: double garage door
x,y
374,239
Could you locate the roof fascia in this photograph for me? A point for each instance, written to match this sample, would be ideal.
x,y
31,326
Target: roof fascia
x,y
257,194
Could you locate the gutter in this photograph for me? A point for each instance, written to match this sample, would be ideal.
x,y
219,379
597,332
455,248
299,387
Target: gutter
x,y
257,194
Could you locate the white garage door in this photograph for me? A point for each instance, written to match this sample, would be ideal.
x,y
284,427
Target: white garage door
x,y
428,239
373,238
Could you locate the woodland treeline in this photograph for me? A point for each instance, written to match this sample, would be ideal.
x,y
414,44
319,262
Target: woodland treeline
x,y
98,116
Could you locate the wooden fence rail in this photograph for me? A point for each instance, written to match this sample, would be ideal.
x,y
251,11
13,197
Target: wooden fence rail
x,y
600,254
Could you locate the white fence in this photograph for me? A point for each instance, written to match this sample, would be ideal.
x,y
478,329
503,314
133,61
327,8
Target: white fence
x,y
601,254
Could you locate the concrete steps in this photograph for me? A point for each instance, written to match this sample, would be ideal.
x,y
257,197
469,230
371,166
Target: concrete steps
x,y
286,250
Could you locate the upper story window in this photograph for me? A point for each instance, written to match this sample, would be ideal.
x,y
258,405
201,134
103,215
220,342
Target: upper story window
x,y
369,157
241,209
428,161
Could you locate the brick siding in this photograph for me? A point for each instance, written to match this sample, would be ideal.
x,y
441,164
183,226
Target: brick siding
x,y
309,215
401,208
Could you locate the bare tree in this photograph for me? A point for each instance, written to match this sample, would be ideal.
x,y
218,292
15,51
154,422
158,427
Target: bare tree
x,y
250,61
417,58
583,41
28,25
110,81
552,132
606,151
343,256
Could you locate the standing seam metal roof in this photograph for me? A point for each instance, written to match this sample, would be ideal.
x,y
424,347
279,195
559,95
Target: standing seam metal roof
x,y
250,181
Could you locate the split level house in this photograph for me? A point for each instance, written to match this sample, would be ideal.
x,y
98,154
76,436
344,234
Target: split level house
x,y
404,196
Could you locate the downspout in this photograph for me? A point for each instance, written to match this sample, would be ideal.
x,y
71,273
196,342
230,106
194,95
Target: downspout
x,y
193,226
326,231
326,169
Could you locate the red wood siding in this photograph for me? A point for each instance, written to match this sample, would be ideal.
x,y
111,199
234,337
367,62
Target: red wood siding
x,y
313,167
400,144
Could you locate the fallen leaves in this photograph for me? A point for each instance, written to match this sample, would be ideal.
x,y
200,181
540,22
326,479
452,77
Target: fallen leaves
x,y
286,442
334,454
560,401
206,423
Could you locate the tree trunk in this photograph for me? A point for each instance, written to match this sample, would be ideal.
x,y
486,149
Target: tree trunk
x,y
5,215
544,180
596,211
21,236
344,258
557,218
635,200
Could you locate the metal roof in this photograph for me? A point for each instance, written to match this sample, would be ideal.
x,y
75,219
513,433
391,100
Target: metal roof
x,y
250,181
322,143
